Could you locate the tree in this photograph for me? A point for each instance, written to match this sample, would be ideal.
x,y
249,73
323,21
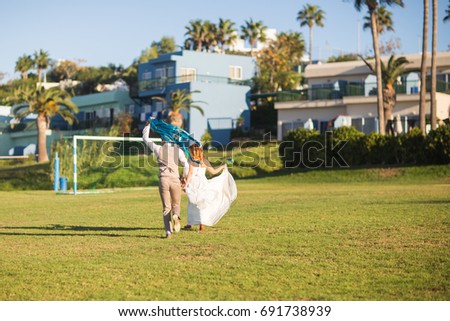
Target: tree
x,y
46,104
180,100
253,32
343,57
226,33
390,47
41,62
433,109
447,17
372,6
310,16
278,61
196,34
210,35
390,72
423,69
67,69
24,64
384,20
165,45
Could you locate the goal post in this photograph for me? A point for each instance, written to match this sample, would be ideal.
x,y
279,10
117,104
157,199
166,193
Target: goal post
x,y
104,138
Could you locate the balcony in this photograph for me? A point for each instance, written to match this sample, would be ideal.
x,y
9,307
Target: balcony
x,y
161,83
349,90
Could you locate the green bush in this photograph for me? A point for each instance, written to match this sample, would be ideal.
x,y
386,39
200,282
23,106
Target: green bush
x,y
373,149
437,145
412,147
291,148
353,151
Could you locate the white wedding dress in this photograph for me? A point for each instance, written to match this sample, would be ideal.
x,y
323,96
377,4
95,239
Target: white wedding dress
x,y
209,199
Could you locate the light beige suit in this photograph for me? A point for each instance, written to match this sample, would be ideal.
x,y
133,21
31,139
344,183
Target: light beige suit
x,y
168,157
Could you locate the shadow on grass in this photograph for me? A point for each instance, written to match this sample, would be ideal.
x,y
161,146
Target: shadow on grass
x,y
260,173
76,228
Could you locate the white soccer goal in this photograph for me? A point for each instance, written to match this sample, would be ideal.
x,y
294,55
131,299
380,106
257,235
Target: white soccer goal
x,y
104,138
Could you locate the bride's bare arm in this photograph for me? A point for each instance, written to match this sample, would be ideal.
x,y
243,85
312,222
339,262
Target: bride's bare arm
x,y
213,170
189,175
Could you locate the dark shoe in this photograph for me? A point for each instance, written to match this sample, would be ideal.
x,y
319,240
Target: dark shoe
x,y
176,223
187,227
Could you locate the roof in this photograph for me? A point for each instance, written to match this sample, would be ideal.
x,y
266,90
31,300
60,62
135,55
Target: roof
x,y
353,68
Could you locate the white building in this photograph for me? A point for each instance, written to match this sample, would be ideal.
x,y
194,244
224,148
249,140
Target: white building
x,y
349,88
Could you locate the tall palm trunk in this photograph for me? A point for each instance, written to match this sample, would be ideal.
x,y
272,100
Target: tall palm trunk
x,y
433,110
41,122
376,49
423,69
389,102
310,45
39,75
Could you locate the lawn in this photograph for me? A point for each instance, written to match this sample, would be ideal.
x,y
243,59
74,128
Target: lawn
x,y
374,234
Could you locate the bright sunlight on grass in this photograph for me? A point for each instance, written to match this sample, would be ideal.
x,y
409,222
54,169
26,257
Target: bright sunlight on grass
x,y
293,237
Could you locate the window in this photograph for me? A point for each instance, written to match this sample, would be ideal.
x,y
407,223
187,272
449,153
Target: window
x,y
129,109
146,75
188,74
235,72
170,72
159,106
160,73
147,108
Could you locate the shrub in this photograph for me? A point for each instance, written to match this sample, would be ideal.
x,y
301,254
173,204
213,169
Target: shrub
x,y
412,146
437,146
291,148
353,152
375,149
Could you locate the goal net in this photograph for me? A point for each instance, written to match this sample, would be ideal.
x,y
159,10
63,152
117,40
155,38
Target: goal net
x,y
106,161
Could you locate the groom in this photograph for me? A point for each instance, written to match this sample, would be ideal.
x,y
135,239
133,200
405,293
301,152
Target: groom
x,y
168,156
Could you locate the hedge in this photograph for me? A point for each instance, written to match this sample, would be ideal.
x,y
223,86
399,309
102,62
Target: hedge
x,y
346,146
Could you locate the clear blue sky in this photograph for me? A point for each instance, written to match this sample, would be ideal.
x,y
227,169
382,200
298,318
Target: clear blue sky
x,y
104,31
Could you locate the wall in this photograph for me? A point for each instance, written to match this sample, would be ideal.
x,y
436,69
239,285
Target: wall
x,y
224,103
213,64
10,140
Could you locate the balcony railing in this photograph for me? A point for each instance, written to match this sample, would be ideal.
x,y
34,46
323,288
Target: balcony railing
x,y
353,90
161,83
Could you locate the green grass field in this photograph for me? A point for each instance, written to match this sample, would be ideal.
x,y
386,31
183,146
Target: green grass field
x,y
373,234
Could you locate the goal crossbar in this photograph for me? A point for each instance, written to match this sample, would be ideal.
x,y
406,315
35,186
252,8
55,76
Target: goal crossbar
x,y
106,138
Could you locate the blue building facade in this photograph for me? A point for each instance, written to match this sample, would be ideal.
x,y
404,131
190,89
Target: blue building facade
x,y
221,81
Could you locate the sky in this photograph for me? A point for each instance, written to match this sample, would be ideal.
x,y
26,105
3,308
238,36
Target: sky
x,y
111,31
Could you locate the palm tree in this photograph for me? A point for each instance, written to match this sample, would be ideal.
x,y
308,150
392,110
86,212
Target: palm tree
x,y
310,16
447,17
253,32
226,33
46,104
41,61
384,20
180,100
210,35
196,34
389,73
423,69
433,108
372,6
23,65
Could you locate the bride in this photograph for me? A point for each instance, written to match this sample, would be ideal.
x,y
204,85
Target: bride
x,y
209,199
